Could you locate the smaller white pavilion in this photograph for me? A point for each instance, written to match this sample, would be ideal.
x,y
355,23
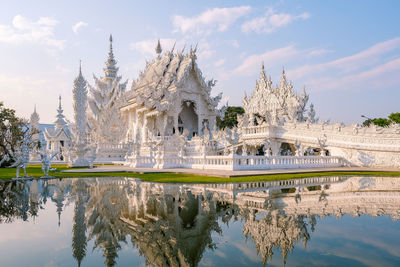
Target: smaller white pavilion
x,y
58,139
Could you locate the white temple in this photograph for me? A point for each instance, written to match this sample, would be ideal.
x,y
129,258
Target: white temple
x,y
168,120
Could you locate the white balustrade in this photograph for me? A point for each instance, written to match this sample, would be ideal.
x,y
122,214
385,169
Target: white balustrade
x,y
236,162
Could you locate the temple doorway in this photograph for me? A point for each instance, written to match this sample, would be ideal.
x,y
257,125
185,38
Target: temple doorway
x,y
189,118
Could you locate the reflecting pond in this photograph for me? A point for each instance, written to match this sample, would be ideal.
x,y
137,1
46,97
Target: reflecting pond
x,y
320,221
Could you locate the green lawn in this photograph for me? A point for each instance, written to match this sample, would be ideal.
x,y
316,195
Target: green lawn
x,y
35,171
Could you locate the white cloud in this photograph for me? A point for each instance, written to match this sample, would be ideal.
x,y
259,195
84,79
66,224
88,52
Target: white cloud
x,y
205,54
320,52
216,19
219,63
271,22
278,56
79,25
368,57
24,30
381,76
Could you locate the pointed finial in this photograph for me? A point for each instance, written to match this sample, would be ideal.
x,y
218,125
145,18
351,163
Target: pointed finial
x,y
110,69
173,48
158,48
34,110
110,53
262,65
111,48
283,70
80,67
59,102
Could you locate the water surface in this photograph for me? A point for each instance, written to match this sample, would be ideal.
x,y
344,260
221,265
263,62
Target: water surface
x,y
325,221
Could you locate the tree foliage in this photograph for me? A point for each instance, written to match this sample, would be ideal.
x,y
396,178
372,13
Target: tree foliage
x,y
383,122
395,117
230,118
12,131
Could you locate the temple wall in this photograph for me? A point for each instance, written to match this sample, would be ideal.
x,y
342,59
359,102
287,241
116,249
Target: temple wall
x,y
359,146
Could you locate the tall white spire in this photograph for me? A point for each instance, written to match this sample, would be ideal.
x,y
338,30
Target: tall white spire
x,y
111,69
80,129
80,104
34,121
60,122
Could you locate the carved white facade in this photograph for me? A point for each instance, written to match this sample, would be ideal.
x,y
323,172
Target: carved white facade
x,y
275,104
169,108
107,127
302,136
278,129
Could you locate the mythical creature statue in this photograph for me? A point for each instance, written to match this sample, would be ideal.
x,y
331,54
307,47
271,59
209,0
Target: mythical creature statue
x,y
322,144
21,156
46,159
297,146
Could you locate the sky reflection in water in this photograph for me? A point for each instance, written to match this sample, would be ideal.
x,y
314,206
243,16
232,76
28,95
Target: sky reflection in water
x,y
331,221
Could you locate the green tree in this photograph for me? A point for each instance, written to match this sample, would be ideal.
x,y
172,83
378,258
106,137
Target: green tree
x,y
12,131
395,117
383,122
230,118
368,122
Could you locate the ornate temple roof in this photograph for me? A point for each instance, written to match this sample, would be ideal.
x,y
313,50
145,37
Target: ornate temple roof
x,y
164,77
60,122
60,125
281,100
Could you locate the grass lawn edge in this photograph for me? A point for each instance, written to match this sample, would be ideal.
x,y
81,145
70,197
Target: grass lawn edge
x,y
7,174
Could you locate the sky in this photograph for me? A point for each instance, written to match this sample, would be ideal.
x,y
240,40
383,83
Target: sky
x,y
345,53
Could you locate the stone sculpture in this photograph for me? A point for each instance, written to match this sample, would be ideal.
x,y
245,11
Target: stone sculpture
x,y
21,156
46,160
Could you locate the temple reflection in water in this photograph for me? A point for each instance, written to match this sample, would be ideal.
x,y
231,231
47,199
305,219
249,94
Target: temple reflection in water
x,y
172,225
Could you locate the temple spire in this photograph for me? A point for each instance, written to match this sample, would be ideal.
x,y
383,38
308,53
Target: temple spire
x,y
110,70
263,77
158,48
283,84
34,120
59,105
110,53
60,122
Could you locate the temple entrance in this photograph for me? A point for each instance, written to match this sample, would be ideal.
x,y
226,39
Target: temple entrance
x,y
287,149
189,118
